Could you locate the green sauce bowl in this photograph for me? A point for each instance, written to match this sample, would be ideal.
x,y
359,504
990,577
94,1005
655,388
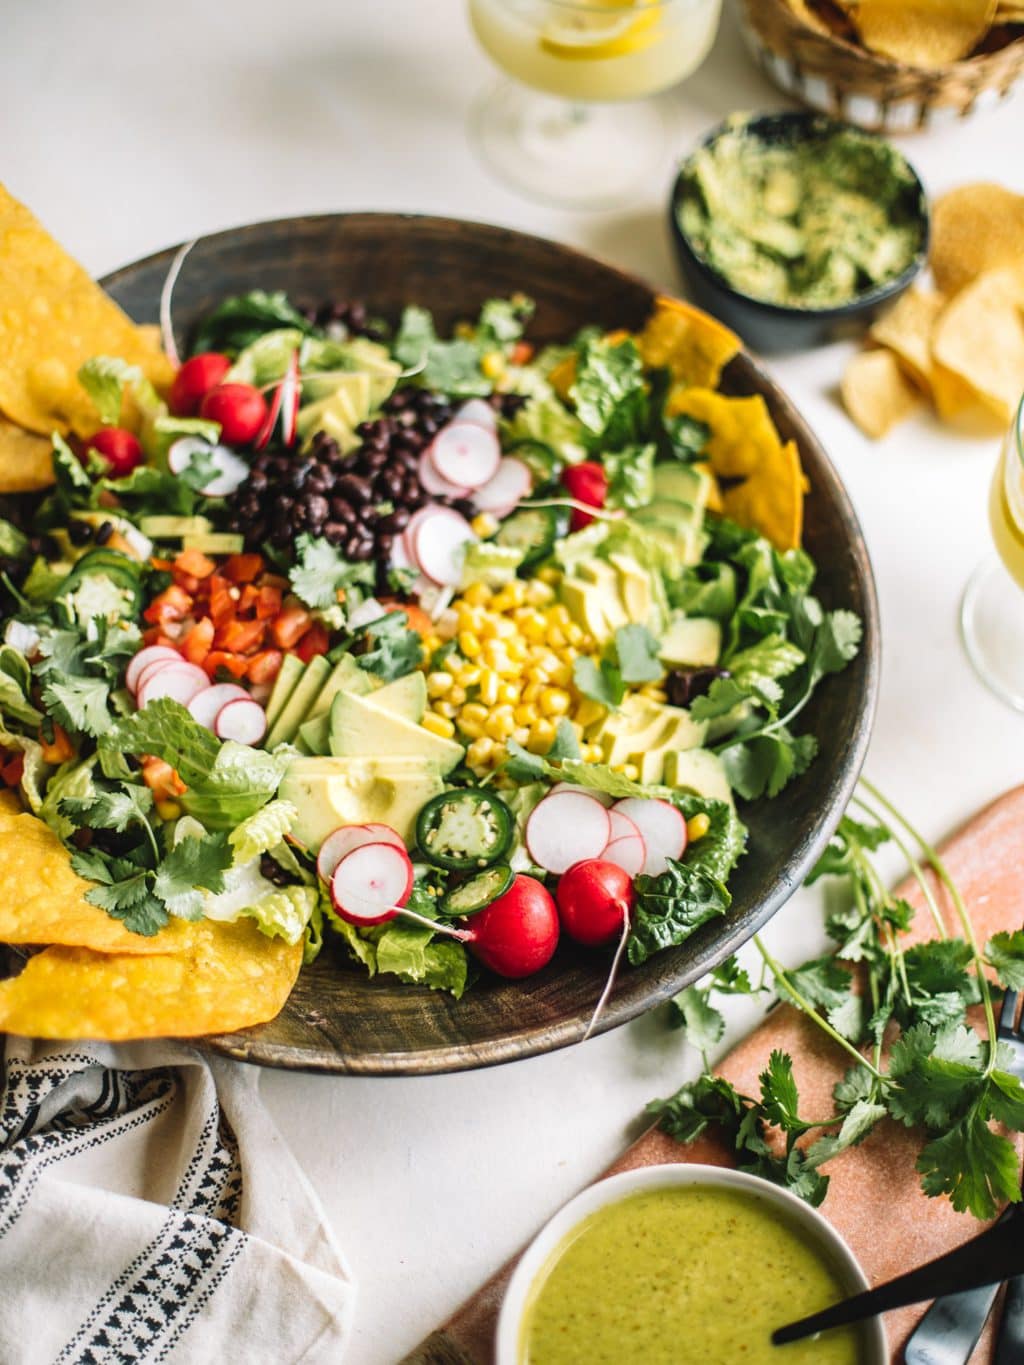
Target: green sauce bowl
x,y
776,327
612,1277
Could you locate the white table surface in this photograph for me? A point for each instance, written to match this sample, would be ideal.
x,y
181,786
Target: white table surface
x,y
130,126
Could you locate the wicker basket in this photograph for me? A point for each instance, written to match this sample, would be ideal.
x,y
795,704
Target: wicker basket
x,y
849,82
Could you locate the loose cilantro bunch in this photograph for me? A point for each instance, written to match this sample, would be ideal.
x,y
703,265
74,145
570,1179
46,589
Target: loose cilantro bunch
x,y
940,1074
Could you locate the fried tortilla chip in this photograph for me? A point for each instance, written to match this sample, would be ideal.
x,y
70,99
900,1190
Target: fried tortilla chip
x,y
923,33
688,342
979,338
228,977
43,901
25,459
771,500
742,429
975,228
876,393
53,317
906,330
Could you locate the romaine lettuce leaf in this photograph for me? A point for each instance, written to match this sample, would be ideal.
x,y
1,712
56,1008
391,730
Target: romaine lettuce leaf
x,y
262,831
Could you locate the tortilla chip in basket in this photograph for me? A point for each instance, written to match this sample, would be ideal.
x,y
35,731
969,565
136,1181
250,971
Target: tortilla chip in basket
x,y
54,317
228,977
923,33
687,342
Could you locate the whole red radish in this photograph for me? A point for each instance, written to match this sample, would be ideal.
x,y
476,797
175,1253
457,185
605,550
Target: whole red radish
x,y
120,449
194,381
595,898
586,482
517,934
240,409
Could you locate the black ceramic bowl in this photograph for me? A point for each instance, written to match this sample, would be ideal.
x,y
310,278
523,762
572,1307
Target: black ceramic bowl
x,y
772,327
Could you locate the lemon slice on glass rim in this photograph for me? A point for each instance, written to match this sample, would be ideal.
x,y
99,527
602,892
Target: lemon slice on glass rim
x,y
595,29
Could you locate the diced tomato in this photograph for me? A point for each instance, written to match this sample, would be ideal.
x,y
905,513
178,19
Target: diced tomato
x,y
222,604
60,750
155,636
268,603
250,595
242,568
161,778
173,604
220,659
521,353
315,641
264,666
273,580
290,626
12,769
418,619
194,563
189,583
240,637
164,565
198,642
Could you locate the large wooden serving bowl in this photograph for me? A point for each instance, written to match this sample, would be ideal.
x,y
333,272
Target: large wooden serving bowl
x,y
338,1020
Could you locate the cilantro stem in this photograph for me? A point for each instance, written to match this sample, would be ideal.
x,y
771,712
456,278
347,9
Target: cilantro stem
x,y
779,723
942,872
782,980
915,867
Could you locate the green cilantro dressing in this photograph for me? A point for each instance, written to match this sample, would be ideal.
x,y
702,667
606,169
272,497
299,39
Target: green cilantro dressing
x,y
810,222
698,1273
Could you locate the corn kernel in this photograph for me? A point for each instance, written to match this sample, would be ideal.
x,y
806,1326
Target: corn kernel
x,y
542,736
477,595
631,771
484,525
493,364
554,701
592,753
505,629
555,637
438,684
168,810
470,729
502,600
489,684
653,692
525,714
561,675
559,615
457,695
473,711
438,725
549,574
469,644
500,723
508,693
516,650
480,752
431,643
589,712
574,635
697,826
539,591
446,709
533,628
468,675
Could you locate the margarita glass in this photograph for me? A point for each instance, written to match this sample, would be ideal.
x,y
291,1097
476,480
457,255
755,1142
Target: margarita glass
x,y
586,139
992,616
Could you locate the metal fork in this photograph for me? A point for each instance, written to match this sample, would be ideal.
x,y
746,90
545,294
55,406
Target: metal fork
x,y
949,1331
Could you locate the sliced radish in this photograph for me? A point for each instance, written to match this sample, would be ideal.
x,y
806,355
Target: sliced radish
x,y
434,483
399,554
478,412
629,854
232,470
205,705
180,682
262,439
510,484
371,883
291,391
408,536
342,841
153,668
144,657
242,720
566,828
603,797
622,826
661,827
466,454
439,545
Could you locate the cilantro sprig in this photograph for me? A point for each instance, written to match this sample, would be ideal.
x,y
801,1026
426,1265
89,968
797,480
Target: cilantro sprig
x,y
940,1075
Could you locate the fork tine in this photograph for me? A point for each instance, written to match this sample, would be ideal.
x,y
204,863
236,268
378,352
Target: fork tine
x,y
1008,1017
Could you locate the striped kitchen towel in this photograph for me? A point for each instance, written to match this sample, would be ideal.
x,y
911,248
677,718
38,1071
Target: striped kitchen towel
x,y
150,1211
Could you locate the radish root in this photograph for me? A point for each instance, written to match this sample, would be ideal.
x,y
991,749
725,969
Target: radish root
x,y
166,326
613,972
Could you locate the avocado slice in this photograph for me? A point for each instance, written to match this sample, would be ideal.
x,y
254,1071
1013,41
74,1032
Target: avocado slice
x,y
295,708
375,362
691,642
215,543
347,404
698,770
346,676
606,582
174,528
683,483
314,735
330,791
361,729
291,670
405,697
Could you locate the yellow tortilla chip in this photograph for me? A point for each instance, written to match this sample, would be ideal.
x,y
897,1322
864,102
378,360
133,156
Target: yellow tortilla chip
x,y
43,901
771,500
53,317
688,342
979,337
906,330
923,33
25,459
742,429
876,393
230,976
975,228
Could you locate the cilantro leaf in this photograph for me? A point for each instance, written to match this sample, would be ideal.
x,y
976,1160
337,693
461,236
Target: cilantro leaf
x,y
936,1075
395,649
320,570
729,978
601,682
1004,952
763,764
976,1167
165,728
691,1009
79,704
779,1096
706,1102
124,891
191,864
858,1122
502,321
637,652
116,809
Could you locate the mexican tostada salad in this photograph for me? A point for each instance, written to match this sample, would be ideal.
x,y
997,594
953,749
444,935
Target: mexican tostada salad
x,y
347,635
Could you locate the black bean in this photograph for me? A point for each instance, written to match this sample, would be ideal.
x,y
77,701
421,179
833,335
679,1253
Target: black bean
x,y
352,545
354,489
103,532
397,521
79,532
317,508
334,532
